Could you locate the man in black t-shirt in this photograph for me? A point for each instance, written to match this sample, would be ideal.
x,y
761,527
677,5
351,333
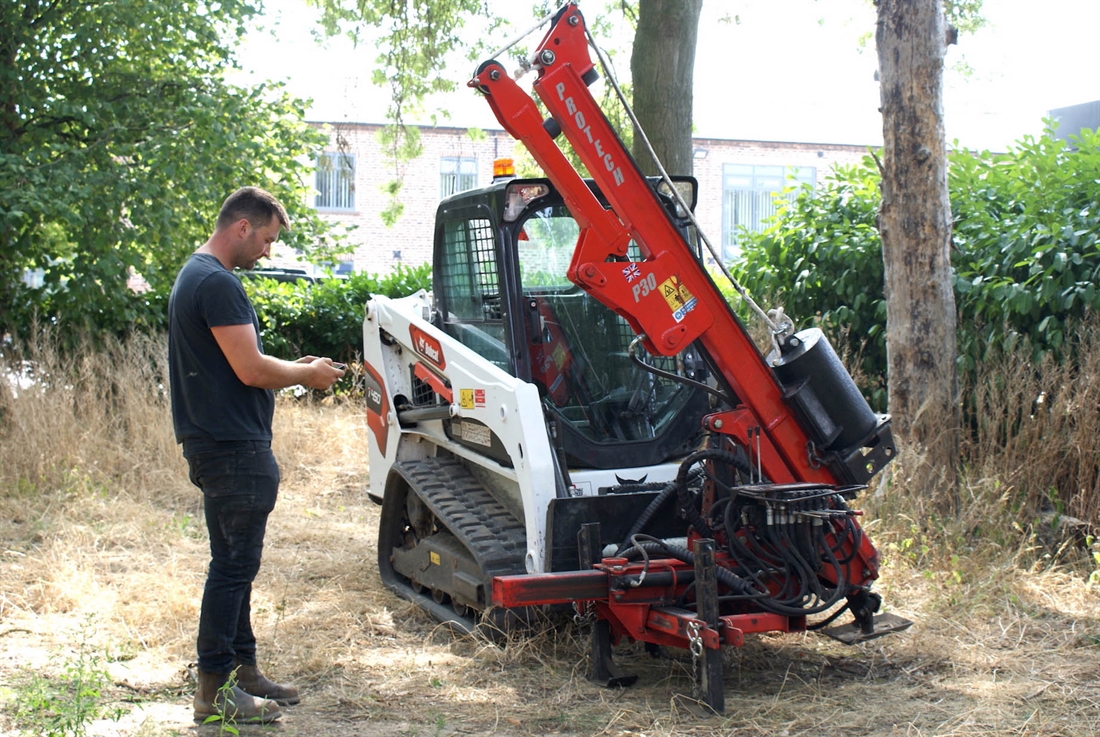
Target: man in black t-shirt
x,y
222,404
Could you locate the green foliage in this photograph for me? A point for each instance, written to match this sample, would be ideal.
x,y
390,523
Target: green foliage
x,y
822,260
227,722
964,15
1026,253
419,44
63,705
1027,239
326,318
119,139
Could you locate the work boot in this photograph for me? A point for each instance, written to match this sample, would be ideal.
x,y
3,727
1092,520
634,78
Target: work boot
x,y
252,681
234,706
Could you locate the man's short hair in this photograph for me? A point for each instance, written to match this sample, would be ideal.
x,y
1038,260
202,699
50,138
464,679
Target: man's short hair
x,y
256,205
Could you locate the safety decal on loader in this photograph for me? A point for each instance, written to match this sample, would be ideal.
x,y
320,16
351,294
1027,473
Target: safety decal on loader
x,y
679,299
470,398
559,356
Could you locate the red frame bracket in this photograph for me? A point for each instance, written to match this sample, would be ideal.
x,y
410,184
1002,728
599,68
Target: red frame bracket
x,y
438,385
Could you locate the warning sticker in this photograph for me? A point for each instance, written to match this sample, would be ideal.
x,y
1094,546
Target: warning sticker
x,y
679,299
559,356
470,398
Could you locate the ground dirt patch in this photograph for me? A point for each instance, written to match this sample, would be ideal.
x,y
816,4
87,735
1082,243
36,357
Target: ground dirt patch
x,y
116,570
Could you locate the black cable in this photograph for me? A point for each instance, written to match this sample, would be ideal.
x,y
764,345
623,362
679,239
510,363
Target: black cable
x,y
651,509
676,377
743,589
828,620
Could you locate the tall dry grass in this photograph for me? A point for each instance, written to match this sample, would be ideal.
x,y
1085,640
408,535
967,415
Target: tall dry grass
x,y
93,415
1035,429
96,508
96,512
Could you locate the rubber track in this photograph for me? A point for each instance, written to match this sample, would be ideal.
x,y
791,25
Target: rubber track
x,y
495,539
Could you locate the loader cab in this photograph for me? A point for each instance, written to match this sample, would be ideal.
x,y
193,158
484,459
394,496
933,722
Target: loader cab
x,y
500,287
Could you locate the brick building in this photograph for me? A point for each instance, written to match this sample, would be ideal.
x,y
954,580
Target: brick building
x,y
737,182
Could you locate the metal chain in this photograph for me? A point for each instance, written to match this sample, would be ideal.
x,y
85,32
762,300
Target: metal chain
x,y
695,645
584,613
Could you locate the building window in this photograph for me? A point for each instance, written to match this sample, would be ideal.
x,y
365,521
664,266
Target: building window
x,y
344,267
335,182
456,175
749,198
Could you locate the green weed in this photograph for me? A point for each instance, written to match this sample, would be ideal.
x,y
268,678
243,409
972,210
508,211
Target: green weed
x,y
227,723
65,704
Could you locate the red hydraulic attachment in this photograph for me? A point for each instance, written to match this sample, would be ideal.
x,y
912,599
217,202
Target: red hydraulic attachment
x,y
669,300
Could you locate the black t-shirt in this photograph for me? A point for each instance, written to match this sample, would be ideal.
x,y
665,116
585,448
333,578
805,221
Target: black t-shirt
x,y
209,402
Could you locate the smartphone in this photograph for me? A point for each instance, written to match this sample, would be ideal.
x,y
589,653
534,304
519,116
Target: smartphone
x,y
338,365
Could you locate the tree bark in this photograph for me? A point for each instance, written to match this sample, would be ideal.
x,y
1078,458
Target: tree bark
x,y
662,65
915,224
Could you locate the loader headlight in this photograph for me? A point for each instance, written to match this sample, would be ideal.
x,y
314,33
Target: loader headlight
x,y
517,196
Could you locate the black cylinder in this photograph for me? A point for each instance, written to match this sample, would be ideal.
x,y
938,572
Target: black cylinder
x,y
808,358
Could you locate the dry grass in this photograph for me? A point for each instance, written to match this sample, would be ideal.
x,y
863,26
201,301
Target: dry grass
x,y
98,521
1037,428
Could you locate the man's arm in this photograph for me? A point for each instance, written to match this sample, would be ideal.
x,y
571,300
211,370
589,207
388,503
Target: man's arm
x,y
238,343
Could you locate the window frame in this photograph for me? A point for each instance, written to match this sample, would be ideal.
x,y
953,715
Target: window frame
x,y
452,176
759,195
344,171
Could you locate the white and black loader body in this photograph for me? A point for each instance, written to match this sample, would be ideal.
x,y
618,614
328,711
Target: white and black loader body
x,y
502,414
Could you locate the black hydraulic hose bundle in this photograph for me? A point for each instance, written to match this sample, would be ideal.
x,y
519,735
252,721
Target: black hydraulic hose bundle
x,y
778,545
691,514
789,552
651,509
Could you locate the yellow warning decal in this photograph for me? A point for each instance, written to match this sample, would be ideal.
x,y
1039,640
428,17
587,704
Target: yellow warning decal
x,y
559,356
434,558
675,293
679,299
466,398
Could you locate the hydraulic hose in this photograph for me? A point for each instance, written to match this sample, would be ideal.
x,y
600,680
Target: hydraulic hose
x,y
651,510
679,486
743,589
788,553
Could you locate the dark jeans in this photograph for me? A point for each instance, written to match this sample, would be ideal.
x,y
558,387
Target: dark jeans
x,y
239,482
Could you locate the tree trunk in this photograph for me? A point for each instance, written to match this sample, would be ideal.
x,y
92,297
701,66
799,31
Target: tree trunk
x,y
662,65
915,224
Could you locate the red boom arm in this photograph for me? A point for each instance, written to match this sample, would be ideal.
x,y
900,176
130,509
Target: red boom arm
x,y
667,297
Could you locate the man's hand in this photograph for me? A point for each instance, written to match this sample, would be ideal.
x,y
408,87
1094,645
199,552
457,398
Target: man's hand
x,y
324,373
